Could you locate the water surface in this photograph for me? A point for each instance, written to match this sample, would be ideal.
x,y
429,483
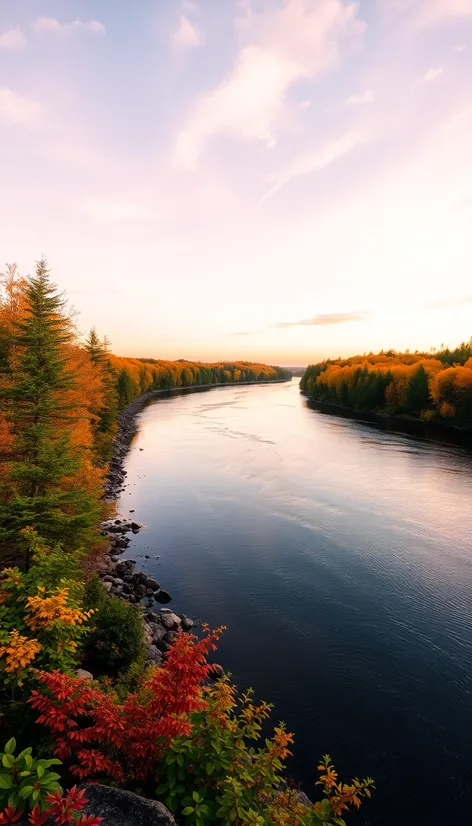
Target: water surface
x,y
340,558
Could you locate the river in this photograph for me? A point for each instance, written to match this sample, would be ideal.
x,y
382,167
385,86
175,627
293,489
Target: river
x,y
339,556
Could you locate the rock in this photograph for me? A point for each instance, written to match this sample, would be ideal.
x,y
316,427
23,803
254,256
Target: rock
x,y
162,596
152,583
170,621
304,799
108,586
140,590
216,672
170,637
125,568
154,654
135,527
187,623
120,808
84,675
132,510
107,578
158,634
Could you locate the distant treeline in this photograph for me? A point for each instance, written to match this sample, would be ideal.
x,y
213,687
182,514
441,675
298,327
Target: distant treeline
x,y
435,386
59,403
135,376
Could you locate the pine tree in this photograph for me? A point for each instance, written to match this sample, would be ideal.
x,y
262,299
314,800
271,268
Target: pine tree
x,y
38,406
418,397
106,424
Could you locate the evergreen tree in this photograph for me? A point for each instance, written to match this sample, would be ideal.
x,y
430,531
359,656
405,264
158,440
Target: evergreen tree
x,y
39,409
418,397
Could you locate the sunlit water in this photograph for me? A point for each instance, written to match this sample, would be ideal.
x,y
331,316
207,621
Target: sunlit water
x,y
340,558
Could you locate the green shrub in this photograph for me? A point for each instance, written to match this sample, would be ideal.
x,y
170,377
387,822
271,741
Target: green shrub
x,y
116,639
24,780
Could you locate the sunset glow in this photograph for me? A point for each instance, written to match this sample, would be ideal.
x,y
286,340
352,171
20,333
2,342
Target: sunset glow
x,y
275,180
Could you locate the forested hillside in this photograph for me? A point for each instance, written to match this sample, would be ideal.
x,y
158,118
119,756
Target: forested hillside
x,y
59,401
434,386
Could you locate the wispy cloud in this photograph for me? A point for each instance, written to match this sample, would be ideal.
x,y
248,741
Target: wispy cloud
x,y
315,161
430,12
298,41
367,96
432,74
12,39
461,47
324,319
51,24
187,35
16,109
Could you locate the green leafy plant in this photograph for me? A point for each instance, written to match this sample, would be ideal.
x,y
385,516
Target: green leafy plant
x,y
42,621
25,780
215,774
116,638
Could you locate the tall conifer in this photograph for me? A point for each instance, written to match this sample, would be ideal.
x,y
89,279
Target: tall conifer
x,y
40,411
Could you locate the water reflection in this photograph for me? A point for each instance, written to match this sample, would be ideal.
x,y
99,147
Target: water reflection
x,y
339,555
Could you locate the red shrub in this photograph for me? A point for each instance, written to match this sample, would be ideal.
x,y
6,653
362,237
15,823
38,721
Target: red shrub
x,y
108,739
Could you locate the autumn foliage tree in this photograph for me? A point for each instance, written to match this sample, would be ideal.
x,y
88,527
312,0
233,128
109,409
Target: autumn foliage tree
x,y
40,408
427,385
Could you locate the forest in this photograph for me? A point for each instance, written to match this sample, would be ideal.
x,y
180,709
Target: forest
x,y
162,728
434,387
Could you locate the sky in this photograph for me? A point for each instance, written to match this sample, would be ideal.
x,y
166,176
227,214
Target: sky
x,y
277,180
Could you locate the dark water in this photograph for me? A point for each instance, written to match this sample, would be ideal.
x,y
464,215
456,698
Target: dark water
x,y
340,558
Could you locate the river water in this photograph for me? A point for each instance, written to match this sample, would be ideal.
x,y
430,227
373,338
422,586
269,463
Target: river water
x,y
340,558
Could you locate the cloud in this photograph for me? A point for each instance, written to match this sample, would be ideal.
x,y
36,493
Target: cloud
x,y
461,47
105,212
432,74
187,35
324,319
16,109
50,24
430,12
320,159
361,97
12,39
298,41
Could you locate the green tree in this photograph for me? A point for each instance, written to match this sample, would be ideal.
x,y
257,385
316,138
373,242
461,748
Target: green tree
x,y
418,397
38,405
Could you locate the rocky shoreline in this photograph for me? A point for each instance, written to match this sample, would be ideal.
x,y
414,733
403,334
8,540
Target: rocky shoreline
x,y
120,577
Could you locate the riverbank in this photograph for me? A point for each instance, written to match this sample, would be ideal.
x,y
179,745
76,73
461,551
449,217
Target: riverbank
x,y
407,425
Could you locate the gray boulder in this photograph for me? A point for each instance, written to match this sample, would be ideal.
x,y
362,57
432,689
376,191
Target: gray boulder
x,y
162,596
119,808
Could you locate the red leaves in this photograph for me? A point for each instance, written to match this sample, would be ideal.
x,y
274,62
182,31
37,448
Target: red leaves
x,y
105,737
9,815
63,810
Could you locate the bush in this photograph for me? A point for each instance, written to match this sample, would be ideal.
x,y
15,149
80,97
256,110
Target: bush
x,y
116,639
201,744
42,621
